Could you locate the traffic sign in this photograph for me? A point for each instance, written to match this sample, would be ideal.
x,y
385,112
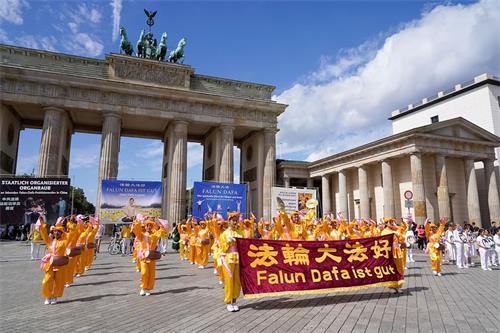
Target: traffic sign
x,y
408,195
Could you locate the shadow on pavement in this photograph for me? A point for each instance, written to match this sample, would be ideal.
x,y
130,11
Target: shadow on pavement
x,y
91,298
179,291
174,277
98,283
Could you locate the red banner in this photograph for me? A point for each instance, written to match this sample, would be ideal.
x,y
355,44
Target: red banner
x,y
276,268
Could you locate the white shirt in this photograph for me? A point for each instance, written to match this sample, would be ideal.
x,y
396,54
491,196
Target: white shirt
x,y
496,238
456,237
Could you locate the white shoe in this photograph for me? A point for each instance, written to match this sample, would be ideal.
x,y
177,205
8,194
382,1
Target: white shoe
x,y
434,272
439,274
413,260
53,301
220,282
215,271
230,308
137,270
201,267
484,269
236,307
192,263
490,269
147,294
142,293
66,285
460,267
86,269
47,301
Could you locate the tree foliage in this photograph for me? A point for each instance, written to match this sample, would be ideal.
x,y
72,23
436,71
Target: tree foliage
x,y
80,203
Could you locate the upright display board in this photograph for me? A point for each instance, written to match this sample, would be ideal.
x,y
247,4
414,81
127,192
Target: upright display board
x,y
222,198
293,198
122,200
24,199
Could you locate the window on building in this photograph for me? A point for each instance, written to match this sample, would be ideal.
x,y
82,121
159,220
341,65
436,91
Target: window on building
x,y
434,119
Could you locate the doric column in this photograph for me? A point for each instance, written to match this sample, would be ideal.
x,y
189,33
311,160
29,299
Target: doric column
x,y
472,192
364,201
388,189
10,127
110,149
443,195
176,170
286,179
269,170
325,193
226,162
492,187
53,143
343,208
417,180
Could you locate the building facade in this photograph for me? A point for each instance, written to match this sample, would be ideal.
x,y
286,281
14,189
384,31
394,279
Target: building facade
x,y
128,96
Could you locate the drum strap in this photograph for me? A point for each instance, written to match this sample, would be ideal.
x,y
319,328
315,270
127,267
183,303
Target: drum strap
x,y
46,258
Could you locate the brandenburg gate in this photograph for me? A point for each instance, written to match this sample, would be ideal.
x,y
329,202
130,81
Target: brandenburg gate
x,y
130,96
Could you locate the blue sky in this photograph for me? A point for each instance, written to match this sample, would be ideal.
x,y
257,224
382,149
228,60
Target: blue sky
x,y
342,66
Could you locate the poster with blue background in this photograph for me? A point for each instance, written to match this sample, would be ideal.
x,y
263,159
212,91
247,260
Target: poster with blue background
x,y
218,197
122,200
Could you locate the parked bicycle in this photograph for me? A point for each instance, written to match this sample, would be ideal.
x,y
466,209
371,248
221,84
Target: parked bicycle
x,y
115,245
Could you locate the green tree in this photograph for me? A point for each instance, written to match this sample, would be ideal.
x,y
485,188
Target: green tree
x,y
80,203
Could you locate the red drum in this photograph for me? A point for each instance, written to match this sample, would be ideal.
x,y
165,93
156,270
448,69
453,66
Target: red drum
x,y
59,260
81,247
73,252
90,245
153,255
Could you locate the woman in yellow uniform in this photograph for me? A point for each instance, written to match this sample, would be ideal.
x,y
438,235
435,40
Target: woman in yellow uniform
x,y
217,228
192,230
184,241
148,241
265,230
231,262
55,273
392,228
82,242
202,244
90,243
74,231
433,234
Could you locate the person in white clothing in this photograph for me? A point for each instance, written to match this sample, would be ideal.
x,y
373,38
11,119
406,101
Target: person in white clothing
x,y
410,241
449,239
483,250
460,238
496,238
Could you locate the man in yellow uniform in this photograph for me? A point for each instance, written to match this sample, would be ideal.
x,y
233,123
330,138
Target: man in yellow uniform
x,y
125,233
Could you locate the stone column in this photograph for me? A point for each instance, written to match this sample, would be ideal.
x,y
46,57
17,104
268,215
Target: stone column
x,y
364,201
417,180
325,194
472,192
269,171
48,158
491,185
226,161
10,127
343,207
388,189
287,181
310,182
110,149
176,170
443,195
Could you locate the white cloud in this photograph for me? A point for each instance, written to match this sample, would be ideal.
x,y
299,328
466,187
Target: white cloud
x,y
11,11
152,149
117,9
92,14
347,102
85,157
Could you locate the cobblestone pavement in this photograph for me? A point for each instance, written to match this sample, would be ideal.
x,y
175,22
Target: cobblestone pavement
x,y
187,299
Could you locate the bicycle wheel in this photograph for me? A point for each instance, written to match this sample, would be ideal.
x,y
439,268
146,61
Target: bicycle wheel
x,y
114,247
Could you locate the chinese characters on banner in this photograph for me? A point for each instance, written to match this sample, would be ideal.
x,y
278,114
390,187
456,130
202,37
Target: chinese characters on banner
x,y
274,268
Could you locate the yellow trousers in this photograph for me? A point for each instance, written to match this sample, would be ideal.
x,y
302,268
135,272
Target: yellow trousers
x,y
202,255
192,253
148,270
183,250
80,263
436,265
231,283
70,270
53,282
89,259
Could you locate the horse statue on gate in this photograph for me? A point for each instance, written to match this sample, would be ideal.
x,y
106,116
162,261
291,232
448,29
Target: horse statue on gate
x,y
178,53
161,51
125,44
140,45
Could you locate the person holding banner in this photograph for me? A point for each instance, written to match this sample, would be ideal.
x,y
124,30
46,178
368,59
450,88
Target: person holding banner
x,y
230,262
54,263
148,255
247,227
398,248
434,247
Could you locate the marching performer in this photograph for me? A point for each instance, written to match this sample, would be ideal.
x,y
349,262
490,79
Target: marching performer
x,y
202,244
460,239
90,242
82,243
183,241
265,230
469,246
410,241
434,247
125,233
192,232
230,262
147,255
485,245
74,231
54,263
496,239
449,240
398,254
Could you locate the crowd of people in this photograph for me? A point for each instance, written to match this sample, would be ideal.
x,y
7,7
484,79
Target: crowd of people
x,y
74,238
